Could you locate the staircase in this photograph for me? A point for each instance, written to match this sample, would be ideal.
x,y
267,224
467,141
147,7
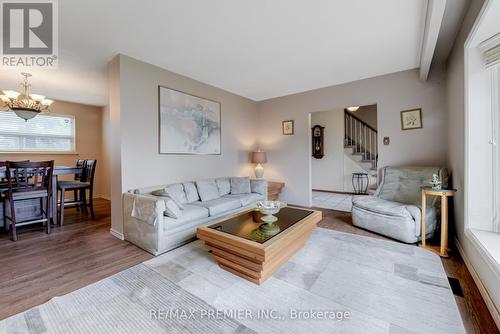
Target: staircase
x,y
360,144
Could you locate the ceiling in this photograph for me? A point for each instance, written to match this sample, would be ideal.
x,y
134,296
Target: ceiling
x,y
258,49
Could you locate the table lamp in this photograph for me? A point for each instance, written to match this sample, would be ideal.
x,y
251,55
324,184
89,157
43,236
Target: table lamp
x,y
259,158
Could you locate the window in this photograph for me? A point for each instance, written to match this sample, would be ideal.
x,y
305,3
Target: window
x,y
44,133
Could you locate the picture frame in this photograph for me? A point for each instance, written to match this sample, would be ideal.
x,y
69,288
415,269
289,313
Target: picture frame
x,y
287,127
411,119
188,124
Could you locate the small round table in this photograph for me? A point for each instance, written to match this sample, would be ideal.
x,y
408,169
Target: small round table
x,y
441,250
360,183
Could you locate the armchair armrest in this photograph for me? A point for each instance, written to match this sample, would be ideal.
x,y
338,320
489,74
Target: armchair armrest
x,y
143,220
259,186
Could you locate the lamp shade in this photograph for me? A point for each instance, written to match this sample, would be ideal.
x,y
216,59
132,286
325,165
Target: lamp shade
x,y
259,157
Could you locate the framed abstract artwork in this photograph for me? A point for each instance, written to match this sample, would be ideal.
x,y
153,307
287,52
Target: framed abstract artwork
x,y
188,124
411,119
287,127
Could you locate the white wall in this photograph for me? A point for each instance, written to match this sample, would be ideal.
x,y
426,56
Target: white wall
x,y
328,173
489,280
140,163
289,156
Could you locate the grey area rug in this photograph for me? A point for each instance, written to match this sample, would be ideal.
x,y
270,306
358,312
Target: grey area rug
x,y
338,283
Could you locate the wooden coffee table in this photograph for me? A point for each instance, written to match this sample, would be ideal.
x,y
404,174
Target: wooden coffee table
x,y
233,242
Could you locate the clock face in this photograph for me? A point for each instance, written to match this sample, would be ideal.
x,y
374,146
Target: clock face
x,y
317,132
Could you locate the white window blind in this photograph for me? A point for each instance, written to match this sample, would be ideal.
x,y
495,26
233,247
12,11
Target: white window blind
x,y
491,50
44,133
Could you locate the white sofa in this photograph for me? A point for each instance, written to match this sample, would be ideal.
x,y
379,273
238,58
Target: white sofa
x,y
148,224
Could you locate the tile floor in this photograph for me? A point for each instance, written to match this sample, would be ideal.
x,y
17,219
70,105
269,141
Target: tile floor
x,y
339,202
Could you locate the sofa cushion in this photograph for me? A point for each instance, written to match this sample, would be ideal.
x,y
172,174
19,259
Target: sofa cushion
x,y
207,189
220,205
384,207
172,209
402,184
162,193
191,212
258,186
191,192
246,199
240,185
176,191
224,185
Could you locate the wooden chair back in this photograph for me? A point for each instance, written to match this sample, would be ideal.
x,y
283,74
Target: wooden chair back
x,y
88,171
79,163
23,176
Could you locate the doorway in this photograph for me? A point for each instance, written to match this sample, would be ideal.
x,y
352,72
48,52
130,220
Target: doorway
x,y
349,144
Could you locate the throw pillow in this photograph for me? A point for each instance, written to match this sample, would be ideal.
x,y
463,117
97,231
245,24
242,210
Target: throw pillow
x,y
224,186
240,185
176,191
191,192
172,209
258,186
164,194
207,189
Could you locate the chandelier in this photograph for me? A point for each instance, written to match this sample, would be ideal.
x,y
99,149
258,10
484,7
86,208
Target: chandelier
x,y
25,105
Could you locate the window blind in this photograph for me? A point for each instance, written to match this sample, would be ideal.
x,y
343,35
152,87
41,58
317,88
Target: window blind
x,y
44,133
491,50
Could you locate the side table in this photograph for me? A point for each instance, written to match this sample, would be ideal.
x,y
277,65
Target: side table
x,y
441,250
274,190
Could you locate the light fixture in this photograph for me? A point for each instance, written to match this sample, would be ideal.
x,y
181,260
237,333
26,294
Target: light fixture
x,y
259,158
352,108
25,104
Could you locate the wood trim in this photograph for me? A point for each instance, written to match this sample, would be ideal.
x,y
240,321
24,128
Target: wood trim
x,y
495,313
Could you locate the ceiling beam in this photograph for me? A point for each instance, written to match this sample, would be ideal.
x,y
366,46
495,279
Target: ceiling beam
x,y
433,20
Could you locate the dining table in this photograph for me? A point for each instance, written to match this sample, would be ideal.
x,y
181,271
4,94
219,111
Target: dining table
x,y
58,170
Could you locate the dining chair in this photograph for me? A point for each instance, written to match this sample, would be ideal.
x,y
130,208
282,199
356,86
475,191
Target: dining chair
x,y
28,180
79,163
4,186
85,183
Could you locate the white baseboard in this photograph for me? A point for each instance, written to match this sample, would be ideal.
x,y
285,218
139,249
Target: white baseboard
x,y
117,234
484,293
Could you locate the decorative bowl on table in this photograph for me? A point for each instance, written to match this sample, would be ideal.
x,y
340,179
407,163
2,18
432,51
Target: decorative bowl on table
x,y
268,209
268,229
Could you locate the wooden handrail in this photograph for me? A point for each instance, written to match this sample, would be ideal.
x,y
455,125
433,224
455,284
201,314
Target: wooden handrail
x,y
347,112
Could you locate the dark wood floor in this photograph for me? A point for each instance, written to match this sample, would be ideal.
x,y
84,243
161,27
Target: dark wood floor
x,y
475,314
38,266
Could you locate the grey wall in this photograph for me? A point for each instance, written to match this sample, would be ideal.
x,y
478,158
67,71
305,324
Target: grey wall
x,y
489,279
327,173
140,163
288,156
456,112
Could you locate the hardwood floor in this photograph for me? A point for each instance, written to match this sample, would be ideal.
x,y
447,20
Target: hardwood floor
x,y
473,310
38,266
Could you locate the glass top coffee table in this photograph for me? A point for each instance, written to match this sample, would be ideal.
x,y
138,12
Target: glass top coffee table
x,y
249,248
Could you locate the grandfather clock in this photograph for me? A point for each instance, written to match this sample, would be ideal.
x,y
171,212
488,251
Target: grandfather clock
x,y
317,141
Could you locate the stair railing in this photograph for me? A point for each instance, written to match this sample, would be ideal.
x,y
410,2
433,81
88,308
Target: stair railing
x,y
361,137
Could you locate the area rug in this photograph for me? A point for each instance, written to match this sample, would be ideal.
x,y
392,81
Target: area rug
x,y
338,283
